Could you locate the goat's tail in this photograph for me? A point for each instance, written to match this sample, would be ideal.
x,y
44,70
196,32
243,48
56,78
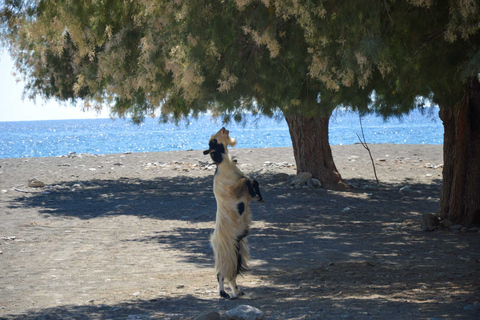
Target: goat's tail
x,y
231,255
243,255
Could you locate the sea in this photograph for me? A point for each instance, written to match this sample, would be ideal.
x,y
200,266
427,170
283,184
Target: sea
x,y
55,138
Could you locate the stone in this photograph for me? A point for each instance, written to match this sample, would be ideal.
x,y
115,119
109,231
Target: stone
x,y
213,315
445,223
314,183
281,176
456,227
301,178
35,183
472,307
245,312
405,189
430,222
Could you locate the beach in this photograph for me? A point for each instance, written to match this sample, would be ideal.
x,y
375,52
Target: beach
x,y
126,236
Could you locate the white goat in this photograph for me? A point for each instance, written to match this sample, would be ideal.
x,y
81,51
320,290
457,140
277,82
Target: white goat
x,y
233,192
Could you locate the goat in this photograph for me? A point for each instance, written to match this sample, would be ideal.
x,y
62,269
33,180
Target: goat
x,y
233,193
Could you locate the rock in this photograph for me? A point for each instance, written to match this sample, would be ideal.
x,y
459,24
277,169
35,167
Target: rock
x,y
35,183
430,222
472,307
209,316
346,209
456,227
405,189
281,176
244,312
301,178
314,183
445,223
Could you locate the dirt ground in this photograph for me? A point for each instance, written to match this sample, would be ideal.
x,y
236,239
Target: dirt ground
x,y
126,236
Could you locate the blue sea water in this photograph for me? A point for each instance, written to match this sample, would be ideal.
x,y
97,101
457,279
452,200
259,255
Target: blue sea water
x,y
104,136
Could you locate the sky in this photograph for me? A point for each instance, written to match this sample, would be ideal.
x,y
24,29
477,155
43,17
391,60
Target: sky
x,y
14,108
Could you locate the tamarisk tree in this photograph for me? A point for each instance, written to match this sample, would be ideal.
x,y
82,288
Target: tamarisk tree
x,y
176,58
404,54
302,58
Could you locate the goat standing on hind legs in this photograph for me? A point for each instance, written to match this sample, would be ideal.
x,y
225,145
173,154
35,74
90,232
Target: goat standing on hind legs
x,y
233,192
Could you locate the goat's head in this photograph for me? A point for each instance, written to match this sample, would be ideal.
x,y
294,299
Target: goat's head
x,y
218,145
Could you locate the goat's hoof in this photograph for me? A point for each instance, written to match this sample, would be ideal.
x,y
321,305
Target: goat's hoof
x,y
224,295
240,294
261,201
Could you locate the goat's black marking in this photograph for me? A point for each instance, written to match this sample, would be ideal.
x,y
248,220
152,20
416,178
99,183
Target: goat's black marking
x,y
223,294
216,157
240,237
250,189
241,208
216,151
241,268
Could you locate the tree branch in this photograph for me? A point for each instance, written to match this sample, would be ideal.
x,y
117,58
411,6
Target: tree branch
x,y
365,145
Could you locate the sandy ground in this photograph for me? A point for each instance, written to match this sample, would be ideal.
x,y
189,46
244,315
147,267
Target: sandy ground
x,y
125,236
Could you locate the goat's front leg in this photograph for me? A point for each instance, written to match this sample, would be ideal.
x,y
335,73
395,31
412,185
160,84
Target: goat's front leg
x,y
245,185
256,188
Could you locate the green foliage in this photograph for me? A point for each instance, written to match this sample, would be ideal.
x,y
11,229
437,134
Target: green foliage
x,y
178,58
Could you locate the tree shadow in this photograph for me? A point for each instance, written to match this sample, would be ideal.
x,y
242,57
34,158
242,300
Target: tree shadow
x,y
180,198
327,254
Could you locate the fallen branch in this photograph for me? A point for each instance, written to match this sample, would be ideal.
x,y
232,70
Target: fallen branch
x,y
365,145
25,191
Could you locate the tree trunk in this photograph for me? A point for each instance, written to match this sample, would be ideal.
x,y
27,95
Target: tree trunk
x,y
312,150
460,199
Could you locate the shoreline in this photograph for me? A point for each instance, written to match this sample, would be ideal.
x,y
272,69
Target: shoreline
x,y
200,150
352,162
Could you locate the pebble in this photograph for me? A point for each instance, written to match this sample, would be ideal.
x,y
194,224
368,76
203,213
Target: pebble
x,y
35,183
278,165
445,223
429,222
314,183
472,307
301,178
456,227
405,189
245,312
209,316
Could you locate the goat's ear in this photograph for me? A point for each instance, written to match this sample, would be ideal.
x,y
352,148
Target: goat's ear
x,y
231,142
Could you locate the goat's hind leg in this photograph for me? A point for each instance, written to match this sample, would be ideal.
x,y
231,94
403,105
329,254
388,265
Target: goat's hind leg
x,y
221,287
236,292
